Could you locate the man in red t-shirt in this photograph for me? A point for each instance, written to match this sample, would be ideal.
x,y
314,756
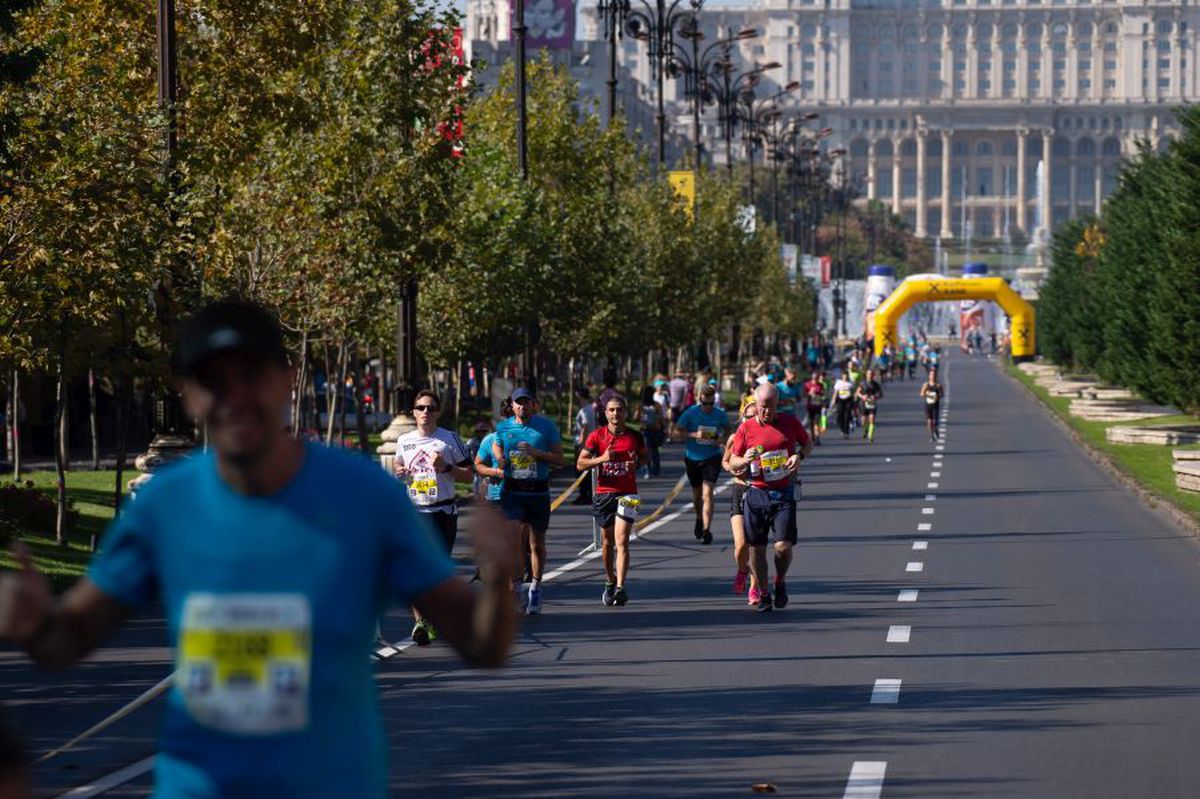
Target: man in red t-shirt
x,y
616,452
814,403
772,446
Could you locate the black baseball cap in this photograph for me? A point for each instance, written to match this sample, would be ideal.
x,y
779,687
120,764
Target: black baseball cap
x,y
229,326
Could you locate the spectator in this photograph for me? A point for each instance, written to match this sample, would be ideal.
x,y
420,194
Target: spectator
x,y
585,423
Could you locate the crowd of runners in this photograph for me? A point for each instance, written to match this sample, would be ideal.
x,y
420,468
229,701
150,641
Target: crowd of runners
x,y
758,448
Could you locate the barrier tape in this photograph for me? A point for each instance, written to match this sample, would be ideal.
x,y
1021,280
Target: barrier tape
x,y
147,697
566,494
671,495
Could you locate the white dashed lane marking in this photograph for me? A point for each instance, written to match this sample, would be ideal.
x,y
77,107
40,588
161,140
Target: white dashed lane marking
x,y
866,780
926,511
920,545
886,692
907,595
915,566
931,485
924,527
899,634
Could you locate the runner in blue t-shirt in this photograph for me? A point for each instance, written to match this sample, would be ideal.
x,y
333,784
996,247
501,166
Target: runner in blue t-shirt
x,y
273,560
703,427
789,392
527,445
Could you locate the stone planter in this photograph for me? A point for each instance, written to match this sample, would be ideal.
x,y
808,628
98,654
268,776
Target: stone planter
x,y
1167,436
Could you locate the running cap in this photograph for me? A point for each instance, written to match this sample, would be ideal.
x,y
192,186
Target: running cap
x,y
522,394
228,326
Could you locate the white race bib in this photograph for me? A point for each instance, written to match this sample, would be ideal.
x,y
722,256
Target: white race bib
x,y
931,398
627,507
244,660
774,465
707,432
423,488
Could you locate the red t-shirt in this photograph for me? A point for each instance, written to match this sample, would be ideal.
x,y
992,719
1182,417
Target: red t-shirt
x,y
782,437
814,393
619,475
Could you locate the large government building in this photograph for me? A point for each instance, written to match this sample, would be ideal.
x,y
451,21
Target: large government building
x,y
946,107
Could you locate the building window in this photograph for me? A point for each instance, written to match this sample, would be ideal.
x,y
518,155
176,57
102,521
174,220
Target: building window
x,y
1035,84
1009,83
809,49
1034,66
1058,48
807,85
1010,66
1110,64
1059,83
1059,66
1085,47
1109,83
1110,47
1164,46
1085,64
960,84
959,66
985,85
1164,63
1164,26
1085,84
910,85
1164,83
935,66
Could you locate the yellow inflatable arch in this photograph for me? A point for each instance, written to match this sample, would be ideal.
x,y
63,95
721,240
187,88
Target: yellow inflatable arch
x,y
953,289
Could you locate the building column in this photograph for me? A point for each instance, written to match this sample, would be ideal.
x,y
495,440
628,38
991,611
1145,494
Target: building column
x,y
947,62
921,226
872,179
1098,177
1047,183
972,76
1022,202
945,231
896,177
1072,189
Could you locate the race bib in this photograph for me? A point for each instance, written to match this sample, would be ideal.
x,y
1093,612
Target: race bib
x,y
843,393
423,490
869,404
707,433
243,661
615,468
774,465
931,399
524,467
627,507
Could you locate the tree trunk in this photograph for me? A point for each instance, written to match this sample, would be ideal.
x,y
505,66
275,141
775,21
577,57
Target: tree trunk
x,y
570,394
360,417
62,427
93,422
341,392
14,424
60,465
458,392
301,383
330,395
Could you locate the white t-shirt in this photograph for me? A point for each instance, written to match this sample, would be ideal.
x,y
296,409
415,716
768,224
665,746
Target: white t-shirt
x,y
585,420
429,489
843,389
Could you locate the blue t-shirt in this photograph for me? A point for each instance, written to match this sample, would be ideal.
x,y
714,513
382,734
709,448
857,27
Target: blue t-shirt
x,y
271,604
540,433
488,458
715,422
787,396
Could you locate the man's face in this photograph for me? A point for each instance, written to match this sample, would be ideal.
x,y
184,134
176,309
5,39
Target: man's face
x,y
707,401
242,401
615,413
426,410
524,408
766,409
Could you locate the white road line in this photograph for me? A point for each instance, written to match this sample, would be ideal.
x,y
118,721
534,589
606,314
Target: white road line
x,y
899,634
920,546
931,497
886,692
924,527
915,566
935,474
110,781
866,779
940,447
926,511
931,485
907,595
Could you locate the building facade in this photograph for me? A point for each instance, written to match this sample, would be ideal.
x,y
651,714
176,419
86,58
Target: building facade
x,y
947,107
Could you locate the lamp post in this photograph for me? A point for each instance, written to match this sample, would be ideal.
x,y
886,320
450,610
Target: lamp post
x,y
695,66
656,25
839,289
614,13
761,118
520,29
725,87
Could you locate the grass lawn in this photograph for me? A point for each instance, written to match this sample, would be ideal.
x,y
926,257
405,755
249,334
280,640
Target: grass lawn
x,y
1148,464
90,495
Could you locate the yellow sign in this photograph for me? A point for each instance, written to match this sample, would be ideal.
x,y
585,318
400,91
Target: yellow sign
x,y
684,183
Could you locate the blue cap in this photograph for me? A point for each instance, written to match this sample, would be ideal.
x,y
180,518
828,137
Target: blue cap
x,y
975,268
522,393
881,270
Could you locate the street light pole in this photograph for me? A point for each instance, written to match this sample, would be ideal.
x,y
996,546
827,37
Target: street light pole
x,y
614,13
520,29
656,25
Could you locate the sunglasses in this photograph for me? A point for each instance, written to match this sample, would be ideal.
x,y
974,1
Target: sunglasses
x,y
425,408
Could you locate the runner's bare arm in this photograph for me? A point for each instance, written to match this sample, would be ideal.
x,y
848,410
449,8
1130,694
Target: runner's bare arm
x,y
479,624
487,471
55,634
586,461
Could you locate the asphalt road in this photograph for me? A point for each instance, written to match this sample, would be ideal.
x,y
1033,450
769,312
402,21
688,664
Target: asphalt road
x,y
1053,644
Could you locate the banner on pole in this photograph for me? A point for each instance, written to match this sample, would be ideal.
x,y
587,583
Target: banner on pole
x,y
684,183
826,270
787,254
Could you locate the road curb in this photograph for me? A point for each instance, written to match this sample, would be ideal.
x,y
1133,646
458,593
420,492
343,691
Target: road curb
x,y
1158,505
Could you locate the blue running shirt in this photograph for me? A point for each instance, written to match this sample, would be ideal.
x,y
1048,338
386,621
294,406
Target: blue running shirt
x,y
271,605
714,423
541,433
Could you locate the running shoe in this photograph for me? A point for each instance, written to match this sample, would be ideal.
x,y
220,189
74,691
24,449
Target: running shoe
x,y
707,538
765,604
423,633
739,582
781,594
609,595
754,596
534,606
619,596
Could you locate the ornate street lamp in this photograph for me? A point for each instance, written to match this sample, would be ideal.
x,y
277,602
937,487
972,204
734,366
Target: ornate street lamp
x,y
726,87
614,13
656,25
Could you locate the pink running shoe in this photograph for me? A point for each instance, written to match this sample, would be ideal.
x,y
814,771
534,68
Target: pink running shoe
x,y
755,596
739,582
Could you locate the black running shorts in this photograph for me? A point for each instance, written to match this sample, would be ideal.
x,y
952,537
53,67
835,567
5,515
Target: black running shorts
x,y
770,515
